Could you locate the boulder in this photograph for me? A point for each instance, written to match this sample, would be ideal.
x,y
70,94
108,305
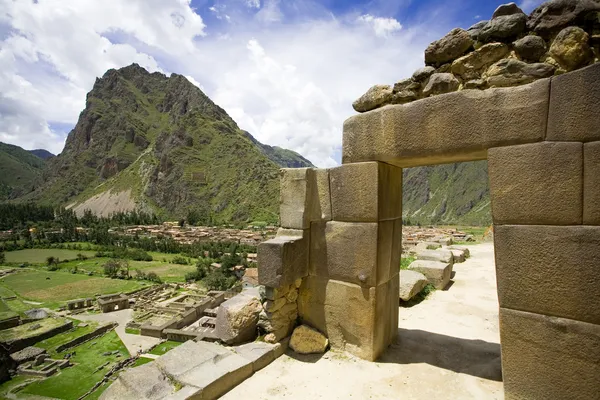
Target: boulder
x,y
474,30
237,318
508,22
437,273
464,249
571,48
449,48
427,246
422,74
405,91
475,84
554,15
458,256
375,97
306,340
472,65
435,255
411,283
511,72
440,84
530,48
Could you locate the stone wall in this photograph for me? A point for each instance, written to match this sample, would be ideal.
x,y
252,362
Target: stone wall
x,y
88,336
510,49
19,344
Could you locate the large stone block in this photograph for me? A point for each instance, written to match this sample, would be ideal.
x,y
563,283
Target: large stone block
x,y
441,255
546,357
574,100
538,183
237,318
366,192
549,270
591,183
453,127
364,253
283,259
295,198
322,200
437,273
362,321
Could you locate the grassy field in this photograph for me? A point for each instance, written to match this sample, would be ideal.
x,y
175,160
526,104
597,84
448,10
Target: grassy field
x,y
164,347
39,256
5,311
24,331
58,286
74,381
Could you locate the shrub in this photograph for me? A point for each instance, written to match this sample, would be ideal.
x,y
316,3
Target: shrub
x,y
81,257
217,280
2,257
152,277
180,260
116,269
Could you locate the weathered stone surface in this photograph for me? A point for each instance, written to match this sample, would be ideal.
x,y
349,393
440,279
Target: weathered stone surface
x,y
440,84
271,293
362,321
296,193
411,284
406,84
591,183
545,269
476,84
283,259
274,305
260,354
376,96
474,30
323,200
7,363
554,15
146,382
366,192
472,65
27,354
422,74
362,253
435,255
574,100
545,357
571,48
458,256
405,91
464,249
455,127
306,340
511,72
449,48
538,183
506,9
437,273
503,26
237,317
530,48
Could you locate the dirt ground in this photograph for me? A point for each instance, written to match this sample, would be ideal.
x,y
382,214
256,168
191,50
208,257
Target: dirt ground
x,y
447,348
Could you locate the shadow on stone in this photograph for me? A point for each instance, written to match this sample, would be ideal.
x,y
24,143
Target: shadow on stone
x,y
473,357
305,358
448,286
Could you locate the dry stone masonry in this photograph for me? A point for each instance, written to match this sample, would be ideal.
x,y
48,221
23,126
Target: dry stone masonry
x,y
341,227
510,49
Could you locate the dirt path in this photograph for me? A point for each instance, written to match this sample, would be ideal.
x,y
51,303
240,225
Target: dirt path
x,y
448,348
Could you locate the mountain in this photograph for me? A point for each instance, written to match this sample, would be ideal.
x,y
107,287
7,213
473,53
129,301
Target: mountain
x,y
450,194
159,144
19,171
41,153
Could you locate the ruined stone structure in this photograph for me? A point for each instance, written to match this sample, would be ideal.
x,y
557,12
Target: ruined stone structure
x,y
113,302
79,304
341,227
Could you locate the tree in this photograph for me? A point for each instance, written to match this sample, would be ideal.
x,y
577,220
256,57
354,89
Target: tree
x,y
2,257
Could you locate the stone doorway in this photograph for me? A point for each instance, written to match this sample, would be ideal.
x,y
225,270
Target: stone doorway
x,y
339,245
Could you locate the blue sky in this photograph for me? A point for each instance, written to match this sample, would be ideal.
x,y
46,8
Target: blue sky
x,y
287,71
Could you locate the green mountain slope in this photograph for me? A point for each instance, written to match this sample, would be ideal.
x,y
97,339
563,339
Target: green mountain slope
x,y
41,153
451,194
19,170
163,146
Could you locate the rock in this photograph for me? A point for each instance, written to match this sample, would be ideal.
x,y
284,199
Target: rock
x,y
464,249
437,273
406,84
292,296
449,48
503,27
506,9
237,317
475,84
474,30
530,48
260,354
422,74
469,238
510,72
458,256
440,84
405,91
411,284
554,15
6,365
274,305
306,340
571,48
444,69
375,97
472,65
435,255
270,293
403,97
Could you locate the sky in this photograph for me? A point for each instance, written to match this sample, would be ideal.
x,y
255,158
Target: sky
x,y
287,71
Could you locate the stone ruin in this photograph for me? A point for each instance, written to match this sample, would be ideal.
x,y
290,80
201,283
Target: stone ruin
x,y
113,302
338,248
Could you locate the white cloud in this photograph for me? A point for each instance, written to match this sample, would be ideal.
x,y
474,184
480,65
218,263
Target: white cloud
x,y
383,27
290,84
253,3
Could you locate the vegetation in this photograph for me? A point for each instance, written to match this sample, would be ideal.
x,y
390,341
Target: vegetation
x,y
164,347
422,295
406,261
19,171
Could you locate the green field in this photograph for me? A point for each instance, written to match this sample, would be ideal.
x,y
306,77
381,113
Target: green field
x,y
164,347
58,286
5,311
24,331
74,381
39,256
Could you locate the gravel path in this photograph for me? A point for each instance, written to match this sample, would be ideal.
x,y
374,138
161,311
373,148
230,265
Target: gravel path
x,y
447,348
